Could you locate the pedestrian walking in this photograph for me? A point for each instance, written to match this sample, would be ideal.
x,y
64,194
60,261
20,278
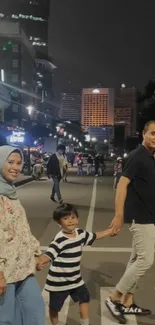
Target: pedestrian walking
x,y
118,168
55,168
65,169
135,205
79,165
89,165
21,300
97,164
64,253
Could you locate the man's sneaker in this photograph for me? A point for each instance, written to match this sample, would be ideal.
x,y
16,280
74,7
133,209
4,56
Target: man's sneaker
x,y
116,310
53,199
135,310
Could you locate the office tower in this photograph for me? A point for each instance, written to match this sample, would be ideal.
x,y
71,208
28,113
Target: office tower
x,y
70,106
126,108
97,108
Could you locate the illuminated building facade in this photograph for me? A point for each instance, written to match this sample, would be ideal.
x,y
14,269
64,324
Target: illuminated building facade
x,y
17,57
33,16
70,106
97,107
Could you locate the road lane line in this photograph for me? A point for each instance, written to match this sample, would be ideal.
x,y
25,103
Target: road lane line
x,y
106,317
90,219
101,249
62,315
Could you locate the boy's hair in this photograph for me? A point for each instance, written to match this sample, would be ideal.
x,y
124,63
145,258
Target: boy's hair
x,y
64,210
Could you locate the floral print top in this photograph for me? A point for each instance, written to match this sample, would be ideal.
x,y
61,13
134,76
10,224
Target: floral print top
x,y
18,247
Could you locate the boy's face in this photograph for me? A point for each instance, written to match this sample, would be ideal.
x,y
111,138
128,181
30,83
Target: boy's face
x,y
69,223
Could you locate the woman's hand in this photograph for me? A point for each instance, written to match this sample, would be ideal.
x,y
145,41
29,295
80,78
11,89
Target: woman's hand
x,y
3,286
39,265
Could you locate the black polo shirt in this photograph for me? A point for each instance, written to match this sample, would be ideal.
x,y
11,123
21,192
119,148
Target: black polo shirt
x,y
140,200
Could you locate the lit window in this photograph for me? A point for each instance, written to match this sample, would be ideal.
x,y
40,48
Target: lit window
x,y
15,48
31,17
15,78
15,63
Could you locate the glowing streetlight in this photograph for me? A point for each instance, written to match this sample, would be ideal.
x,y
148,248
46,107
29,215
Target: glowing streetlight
x,y
94,139
30,109
2,75
105,141
70,136
65,133
96,91
74,139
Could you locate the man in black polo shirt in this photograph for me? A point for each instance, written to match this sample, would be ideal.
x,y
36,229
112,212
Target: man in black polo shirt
x,y
135,205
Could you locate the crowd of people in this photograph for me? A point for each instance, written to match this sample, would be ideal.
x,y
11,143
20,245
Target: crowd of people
x,y
21,300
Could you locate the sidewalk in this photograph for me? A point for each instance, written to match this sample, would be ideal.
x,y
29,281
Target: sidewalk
x,y
23,179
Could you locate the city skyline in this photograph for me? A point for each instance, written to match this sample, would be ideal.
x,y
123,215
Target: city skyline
x,y
110,43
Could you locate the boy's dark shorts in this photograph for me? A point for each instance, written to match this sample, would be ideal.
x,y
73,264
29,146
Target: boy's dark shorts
x,y
57,298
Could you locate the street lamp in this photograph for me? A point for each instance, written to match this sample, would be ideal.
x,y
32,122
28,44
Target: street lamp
x,y
70,136
65,133
94,139
74,139
30,108
105,141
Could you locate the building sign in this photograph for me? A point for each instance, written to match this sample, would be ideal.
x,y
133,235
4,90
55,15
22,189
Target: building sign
x,y
17,137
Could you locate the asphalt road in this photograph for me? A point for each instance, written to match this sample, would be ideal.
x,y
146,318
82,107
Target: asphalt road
x,y
104,263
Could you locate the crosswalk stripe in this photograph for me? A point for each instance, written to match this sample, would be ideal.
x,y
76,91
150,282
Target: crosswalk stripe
x,y
106,317
62,315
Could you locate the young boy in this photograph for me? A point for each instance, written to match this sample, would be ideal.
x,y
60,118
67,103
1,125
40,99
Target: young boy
x,y
65,252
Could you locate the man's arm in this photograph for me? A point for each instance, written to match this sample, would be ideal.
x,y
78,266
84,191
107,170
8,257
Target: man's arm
x,y
130,171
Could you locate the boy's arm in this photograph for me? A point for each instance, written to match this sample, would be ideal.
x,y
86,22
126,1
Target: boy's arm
x,y
104,233
50,255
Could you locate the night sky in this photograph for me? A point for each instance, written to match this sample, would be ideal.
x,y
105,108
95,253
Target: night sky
x,y
106,41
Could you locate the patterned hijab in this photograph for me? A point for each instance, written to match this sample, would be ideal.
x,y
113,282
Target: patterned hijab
x,y
7,188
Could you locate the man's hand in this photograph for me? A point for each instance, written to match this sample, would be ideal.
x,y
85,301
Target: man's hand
x,y
116,225
3,286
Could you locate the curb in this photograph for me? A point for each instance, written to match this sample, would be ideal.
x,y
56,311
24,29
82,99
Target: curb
x,y
24,181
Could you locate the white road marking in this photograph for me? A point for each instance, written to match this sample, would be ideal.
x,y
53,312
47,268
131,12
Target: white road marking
x,y
90,219
101,249
106,317
62,315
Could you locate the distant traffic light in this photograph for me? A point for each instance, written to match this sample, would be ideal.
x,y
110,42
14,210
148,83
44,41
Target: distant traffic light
x,y
4,48
9,42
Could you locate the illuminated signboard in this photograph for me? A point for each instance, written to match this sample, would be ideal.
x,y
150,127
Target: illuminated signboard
x,y
17,137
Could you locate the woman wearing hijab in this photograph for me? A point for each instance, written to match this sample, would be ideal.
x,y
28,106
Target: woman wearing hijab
x,y
21,300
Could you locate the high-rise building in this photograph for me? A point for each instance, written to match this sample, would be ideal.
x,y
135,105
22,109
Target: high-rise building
x,y
124,116
70,106
17,57
97,108
33,16
126,104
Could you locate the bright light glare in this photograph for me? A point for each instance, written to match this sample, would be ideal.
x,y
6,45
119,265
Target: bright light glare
x,y
105,141
125,155
94,139
65,133
30,109
123,85
96,91
70,136
2,75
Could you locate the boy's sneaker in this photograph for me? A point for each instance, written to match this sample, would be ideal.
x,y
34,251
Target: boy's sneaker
x,y
115,309
135,310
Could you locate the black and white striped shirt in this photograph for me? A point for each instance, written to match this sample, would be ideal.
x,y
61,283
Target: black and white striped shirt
x,y
65,254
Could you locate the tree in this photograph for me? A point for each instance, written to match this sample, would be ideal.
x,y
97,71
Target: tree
x,y
146,105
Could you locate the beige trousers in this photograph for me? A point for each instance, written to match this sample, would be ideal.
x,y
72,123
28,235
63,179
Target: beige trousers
x,y
142,256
